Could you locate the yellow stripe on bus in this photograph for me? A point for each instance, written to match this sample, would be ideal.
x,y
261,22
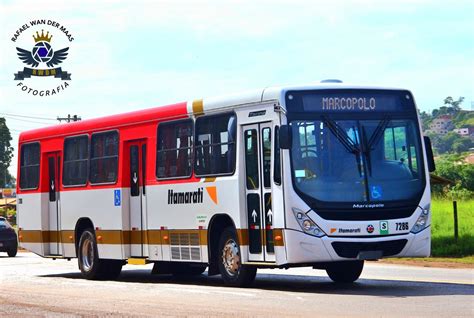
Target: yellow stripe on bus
x,y
151,237
198,107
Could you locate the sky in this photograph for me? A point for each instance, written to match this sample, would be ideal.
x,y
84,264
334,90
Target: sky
x,y
131,55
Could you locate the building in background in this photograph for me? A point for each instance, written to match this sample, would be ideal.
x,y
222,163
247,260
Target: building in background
x,y
441,125
8,204
7,193
464,132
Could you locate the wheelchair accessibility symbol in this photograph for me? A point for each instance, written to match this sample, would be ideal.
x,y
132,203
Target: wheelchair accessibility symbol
x,y
376,192
117,198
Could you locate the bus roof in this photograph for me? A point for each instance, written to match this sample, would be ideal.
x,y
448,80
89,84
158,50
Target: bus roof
x,y
178,110
105,123
274,93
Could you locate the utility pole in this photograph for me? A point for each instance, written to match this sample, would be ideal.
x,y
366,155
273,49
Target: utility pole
x,y
69,118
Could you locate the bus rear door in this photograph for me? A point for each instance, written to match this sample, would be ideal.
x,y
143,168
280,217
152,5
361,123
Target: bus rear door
x,y
53,203
138,217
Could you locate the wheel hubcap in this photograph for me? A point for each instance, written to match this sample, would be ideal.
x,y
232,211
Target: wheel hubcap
x,y
87,254
231,257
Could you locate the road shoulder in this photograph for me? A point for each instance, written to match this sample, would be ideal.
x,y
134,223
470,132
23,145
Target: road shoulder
x,y
462,262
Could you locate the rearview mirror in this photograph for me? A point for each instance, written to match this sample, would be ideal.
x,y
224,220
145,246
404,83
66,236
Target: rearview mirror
x,y
285,137
429,154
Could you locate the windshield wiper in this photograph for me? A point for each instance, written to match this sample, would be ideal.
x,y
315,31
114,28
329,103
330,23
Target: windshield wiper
x,y
378,132
366,150
341,135
344,139
367,147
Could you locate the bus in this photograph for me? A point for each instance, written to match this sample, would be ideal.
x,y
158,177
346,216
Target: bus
x,y
325,175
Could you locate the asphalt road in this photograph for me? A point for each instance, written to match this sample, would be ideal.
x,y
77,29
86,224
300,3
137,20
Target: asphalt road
x,y
32,286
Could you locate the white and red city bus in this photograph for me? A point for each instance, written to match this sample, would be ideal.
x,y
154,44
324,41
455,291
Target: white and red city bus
x,y
326,175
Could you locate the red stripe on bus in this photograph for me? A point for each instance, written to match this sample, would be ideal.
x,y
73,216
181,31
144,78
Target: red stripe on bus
x,y
135,125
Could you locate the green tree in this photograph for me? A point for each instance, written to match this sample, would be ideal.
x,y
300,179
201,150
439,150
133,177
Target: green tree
x,y
465,118
453,106
462,144
435,141
446,142
466,174
443,110
450,107
453,167
425,120
6,153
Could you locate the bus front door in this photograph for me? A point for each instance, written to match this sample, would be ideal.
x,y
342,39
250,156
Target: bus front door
x,y
53,203
258,190
138,216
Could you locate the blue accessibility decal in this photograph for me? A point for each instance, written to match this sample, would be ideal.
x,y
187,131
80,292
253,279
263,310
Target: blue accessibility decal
x,y
117,198
376,192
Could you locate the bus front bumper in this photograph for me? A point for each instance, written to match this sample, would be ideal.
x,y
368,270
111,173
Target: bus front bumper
x,y
304,248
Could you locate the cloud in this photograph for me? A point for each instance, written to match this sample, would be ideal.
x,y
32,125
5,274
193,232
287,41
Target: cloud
x,y
138,54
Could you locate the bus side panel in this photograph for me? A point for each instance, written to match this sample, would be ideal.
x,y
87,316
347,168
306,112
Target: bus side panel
x,y
124,208
169,214
100,207
33,222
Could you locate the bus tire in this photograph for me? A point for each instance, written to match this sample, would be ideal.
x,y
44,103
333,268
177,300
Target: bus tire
x,y
12,252
345,272
229,261
91,266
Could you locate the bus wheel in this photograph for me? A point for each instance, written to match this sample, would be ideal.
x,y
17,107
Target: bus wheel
x,y
12,252
345,272
232,271
89,263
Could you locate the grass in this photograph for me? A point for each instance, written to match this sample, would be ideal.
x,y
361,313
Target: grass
x,y
458,260
443,262
443,243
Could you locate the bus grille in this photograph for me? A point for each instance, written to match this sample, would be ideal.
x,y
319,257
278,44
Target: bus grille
x,y
185,246
352,249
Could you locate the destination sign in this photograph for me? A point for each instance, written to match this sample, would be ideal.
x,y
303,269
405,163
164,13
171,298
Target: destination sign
x,y
350,102
360,101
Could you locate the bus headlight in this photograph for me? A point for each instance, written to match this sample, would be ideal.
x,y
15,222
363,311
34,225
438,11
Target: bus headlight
x,y
306,224
422,221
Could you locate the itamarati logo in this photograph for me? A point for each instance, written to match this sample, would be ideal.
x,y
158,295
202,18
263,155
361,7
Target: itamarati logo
x,y
43,59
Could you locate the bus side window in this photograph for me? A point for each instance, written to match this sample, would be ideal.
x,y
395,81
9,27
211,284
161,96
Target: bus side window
x,y
104,157
29,166
389,144
215,146
395,143
412,153
401,142
267,155
251,159
76,157
174,149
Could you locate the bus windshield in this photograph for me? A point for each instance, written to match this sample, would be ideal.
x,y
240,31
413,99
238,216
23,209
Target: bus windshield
x,y
373,160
